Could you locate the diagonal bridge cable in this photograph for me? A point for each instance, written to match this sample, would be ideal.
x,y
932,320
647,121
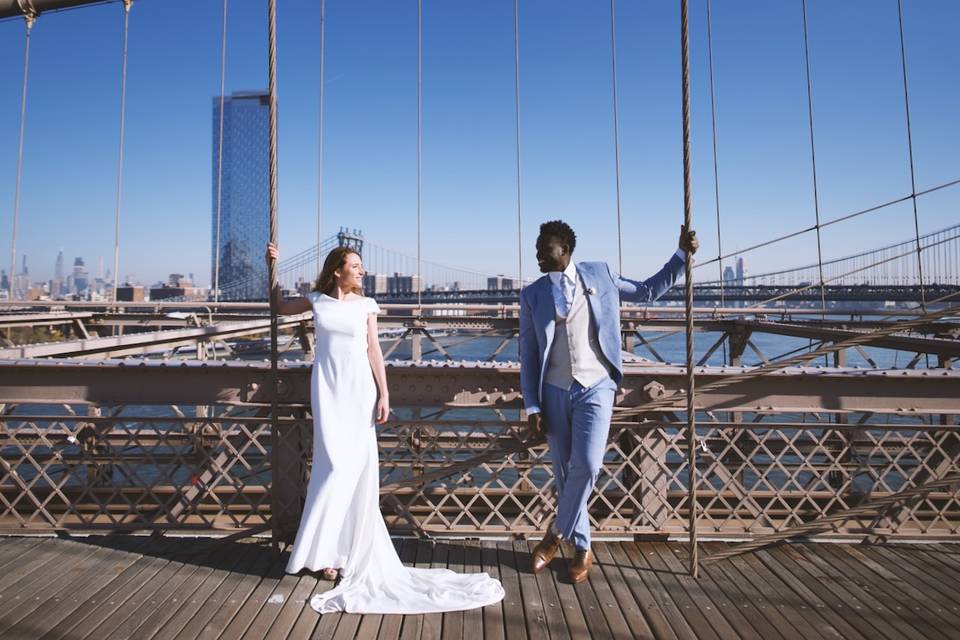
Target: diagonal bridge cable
x,y
849,216
671,402
29,18
761,371
822,283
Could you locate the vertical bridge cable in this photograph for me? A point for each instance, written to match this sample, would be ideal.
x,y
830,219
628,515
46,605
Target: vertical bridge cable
x,y
272,264
29,16
516,93
813,159
716,167
913,180
123,118
688,274
616,125
419,146
223,73
323,24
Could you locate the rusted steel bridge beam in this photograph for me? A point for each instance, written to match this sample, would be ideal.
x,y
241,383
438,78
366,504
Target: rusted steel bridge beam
x,y
42,319
138,343
480,385
11,8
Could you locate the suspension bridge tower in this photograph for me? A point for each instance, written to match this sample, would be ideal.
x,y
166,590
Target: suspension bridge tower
x,y
352,238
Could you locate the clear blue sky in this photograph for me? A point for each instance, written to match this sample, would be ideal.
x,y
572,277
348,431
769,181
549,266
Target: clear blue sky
x,y
469,187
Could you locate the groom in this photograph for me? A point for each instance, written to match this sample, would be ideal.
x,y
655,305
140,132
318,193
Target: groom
x,y
570,369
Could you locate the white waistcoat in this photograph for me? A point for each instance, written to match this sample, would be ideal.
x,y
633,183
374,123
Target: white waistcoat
x,y
575,353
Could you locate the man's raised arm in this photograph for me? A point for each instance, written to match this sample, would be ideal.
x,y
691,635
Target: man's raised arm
x,y
658,284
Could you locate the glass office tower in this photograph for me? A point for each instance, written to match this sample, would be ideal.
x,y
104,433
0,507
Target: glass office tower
x,y
245,196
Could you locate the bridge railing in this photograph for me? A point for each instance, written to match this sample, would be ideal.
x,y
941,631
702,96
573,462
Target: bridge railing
x,y
188,446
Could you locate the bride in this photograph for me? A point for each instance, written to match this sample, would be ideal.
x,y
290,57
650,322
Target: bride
x,y
341,525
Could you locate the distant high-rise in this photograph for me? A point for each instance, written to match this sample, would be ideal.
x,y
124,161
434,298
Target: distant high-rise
x,y
80,275
244,196
741,271
58,266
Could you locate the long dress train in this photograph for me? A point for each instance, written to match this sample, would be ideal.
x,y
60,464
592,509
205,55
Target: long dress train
x,y
341,525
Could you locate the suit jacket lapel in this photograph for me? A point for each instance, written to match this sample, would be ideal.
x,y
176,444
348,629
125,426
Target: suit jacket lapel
x,y
546,309
589,282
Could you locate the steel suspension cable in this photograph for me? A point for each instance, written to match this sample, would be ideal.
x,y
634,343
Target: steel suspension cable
x,y
616,125
272,264
516,93
688,273
323,24
858,269
419,148
123,118
913,178
844,218
668,402
29,18
223,73
716,163
813,157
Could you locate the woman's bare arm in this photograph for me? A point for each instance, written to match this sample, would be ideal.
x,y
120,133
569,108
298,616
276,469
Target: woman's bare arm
x,y
375,355
291,306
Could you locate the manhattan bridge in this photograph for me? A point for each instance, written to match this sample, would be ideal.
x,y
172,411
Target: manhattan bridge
x,y
756,408
886,274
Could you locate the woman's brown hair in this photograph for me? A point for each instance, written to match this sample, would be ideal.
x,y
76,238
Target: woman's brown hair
x,y
327,280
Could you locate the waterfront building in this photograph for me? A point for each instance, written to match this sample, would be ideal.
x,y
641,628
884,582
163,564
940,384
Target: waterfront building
x,y
244,196
130,293
399,283
177,286
500,283
375,284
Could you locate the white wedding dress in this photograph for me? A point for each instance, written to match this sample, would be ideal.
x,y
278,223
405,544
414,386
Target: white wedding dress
x,y
341,525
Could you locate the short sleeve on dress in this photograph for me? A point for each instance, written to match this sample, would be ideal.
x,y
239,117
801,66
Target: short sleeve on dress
x,y
372,306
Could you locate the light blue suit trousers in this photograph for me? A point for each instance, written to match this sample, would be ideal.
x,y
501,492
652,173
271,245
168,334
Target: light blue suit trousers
x,y
578,422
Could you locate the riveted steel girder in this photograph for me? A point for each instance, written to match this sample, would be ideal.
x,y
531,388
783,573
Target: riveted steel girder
x,y
490,385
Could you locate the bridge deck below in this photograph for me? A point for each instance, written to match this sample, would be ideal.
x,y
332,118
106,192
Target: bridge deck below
x,y
143,588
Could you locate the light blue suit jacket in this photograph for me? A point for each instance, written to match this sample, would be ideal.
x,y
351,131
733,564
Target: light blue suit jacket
x,y
604,291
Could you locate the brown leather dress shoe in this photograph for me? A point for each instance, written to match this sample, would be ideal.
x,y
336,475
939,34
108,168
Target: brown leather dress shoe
x,y
580,565
544,552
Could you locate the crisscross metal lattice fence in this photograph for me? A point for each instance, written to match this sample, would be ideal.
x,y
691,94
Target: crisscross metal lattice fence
x,y
108,446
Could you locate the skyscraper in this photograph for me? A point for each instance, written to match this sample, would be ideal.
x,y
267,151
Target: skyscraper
x,y
244,196
741,272
81,277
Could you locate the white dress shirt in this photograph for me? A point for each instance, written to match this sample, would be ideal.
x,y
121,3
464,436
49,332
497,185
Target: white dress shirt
x,y
564,288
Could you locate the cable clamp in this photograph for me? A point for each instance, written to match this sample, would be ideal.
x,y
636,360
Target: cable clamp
x,y
29,11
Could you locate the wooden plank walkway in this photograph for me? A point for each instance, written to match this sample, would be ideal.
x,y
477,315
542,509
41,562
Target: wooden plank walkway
x,y
148,588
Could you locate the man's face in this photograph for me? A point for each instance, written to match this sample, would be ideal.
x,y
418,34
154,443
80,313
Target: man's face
x,y
552,254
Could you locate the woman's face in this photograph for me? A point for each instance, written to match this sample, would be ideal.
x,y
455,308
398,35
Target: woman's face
x,y
351,274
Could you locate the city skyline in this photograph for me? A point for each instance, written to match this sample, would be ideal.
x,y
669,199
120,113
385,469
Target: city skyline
x,y
469,182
